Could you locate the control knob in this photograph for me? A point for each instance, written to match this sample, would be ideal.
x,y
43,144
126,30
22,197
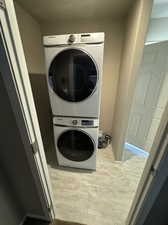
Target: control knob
x,y
71,39
74,122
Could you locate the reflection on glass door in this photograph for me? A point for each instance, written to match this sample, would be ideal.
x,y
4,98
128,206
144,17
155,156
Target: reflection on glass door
x,y
73,75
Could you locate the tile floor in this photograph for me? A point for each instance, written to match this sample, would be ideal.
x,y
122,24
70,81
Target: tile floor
x,y
103,197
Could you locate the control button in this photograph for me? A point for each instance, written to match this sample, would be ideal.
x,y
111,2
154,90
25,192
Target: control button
x,y
71,38
74,122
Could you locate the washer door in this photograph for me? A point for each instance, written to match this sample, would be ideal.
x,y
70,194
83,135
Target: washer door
x,y
75,145
73,75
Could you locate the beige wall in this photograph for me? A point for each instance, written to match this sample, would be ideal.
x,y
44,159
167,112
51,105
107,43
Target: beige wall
x,y
32,43
116,97
137,24
114,33
32,40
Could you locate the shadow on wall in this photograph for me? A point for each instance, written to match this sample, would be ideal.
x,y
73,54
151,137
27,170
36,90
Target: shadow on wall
x,y
41,98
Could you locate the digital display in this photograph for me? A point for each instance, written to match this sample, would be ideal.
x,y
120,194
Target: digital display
x,y
87,122
85,35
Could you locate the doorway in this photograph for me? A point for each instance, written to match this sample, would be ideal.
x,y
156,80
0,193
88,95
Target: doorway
x,y
149,100
105,196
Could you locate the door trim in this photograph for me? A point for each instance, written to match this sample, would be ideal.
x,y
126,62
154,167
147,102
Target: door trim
x,y
25,114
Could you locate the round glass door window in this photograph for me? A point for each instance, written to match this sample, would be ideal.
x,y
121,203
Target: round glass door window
x,y
73,75
75,145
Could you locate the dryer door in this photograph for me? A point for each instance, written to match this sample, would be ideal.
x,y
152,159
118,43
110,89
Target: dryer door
x,y
76,145
73,75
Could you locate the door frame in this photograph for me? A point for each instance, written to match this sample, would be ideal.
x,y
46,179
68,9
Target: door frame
x,y
18,87
142,202
153,161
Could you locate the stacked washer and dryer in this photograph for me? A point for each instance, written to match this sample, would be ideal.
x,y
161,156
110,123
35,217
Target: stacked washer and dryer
x,y
74,65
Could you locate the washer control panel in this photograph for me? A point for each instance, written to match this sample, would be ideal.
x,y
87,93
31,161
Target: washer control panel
x,y
75,122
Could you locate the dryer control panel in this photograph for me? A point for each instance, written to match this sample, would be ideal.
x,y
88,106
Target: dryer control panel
x,y
82,38
75,122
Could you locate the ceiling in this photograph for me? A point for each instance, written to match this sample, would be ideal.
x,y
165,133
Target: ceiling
x,y
54,10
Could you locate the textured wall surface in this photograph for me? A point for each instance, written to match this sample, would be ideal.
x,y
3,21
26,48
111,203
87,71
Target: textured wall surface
x,y
31,39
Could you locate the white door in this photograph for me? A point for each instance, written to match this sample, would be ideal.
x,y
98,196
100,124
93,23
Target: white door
x,y
19,80
149,82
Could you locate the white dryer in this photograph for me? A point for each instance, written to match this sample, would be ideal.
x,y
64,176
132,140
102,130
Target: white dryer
x,y
76,142
74,65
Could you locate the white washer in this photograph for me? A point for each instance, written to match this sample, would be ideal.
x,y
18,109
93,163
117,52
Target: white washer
x,y
74,65
76,142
